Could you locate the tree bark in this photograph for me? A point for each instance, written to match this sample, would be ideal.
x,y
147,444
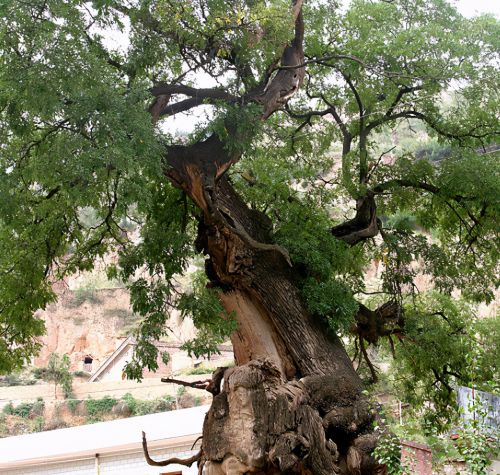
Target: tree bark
x,y
293,403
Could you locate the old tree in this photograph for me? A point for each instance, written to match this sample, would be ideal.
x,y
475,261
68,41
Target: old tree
x,y
322,140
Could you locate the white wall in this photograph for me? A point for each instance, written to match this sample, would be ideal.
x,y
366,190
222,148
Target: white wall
x,y
115,370
123,464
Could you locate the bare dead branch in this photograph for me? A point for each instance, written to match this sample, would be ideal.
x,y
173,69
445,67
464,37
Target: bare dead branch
x,y
377,163
186,462
194,384
322,60
211,385
161,89
196,441
393,349
373,371
413,114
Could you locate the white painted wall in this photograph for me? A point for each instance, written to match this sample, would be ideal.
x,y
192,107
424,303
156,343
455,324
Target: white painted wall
x,y
115,370
123,464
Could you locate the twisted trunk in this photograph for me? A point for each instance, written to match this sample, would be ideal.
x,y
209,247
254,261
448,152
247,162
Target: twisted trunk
x,y
293,402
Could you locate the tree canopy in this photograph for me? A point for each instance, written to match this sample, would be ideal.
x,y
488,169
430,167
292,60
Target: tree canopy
x,y
356,135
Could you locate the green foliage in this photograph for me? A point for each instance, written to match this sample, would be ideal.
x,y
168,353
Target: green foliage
x,y
72,405
84,294
458,350
96,408
162,253
388,452
25,410
57,371
79,123
323,262
301,215
139,407
214,324
412,89
38,424
199,370
80,374
485,357
332,301
478,444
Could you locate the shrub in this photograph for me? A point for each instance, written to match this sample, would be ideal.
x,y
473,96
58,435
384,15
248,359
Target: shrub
x,y
140,408
131,402
38,407
121,313
38,373
16,380
388,452
99,407
72,405
199,370
38,424
81,374
84,294
477,442
4,429
23,410
187,400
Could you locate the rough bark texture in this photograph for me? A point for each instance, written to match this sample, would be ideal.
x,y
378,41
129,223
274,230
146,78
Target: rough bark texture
x,y
294,402
261,423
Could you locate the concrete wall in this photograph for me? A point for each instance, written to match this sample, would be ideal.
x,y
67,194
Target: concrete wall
x,y
489,403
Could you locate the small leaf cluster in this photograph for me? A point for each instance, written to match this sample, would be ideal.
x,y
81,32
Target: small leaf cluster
x,y
213,323
388,453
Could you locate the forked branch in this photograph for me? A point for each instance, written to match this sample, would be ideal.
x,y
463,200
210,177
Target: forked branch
x,y
364,225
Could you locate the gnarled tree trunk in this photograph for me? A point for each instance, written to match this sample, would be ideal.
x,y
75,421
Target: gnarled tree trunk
x,y
293,403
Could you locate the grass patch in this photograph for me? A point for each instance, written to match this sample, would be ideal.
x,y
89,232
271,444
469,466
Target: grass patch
x,y
198,370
